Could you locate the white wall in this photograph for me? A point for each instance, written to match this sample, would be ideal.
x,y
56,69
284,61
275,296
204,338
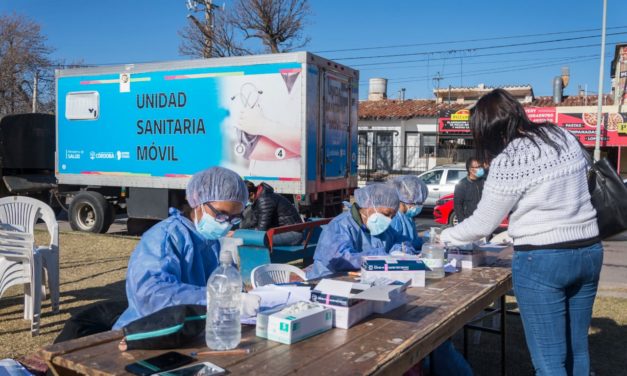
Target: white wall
x,y
399,127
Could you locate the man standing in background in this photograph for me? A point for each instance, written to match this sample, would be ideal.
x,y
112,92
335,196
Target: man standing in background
x,y
468,190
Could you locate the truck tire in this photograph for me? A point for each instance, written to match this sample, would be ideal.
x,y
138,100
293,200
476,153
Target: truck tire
x,y
90,212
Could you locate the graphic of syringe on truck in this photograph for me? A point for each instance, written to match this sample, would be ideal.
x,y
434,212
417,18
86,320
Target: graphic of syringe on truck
x,y
130,137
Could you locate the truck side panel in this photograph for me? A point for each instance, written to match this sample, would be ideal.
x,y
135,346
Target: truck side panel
x,y
154,129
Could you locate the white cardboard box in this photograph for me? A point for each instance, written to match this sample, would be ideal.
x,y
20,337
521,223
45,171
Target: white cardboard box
x,y
345,317
466,259
352,302
289,327
409,267
342,298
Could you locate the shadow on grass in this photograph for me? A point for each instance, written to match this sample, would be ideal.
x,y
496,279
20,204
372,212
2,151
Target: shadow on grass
x,y
608,347
112,292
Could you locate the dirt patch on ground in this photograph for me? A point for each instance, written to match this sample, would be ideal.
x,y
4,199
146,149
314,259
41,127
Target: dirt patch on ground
x,y
92,269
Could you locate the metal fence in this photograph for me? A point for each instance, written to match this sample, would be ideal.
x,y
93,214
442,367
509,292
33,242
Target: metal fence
x,y
381,162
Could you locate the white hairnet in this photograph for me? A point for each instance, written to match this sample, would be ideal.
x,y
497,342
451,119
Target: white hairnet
x,y
216,184
377,195
411,189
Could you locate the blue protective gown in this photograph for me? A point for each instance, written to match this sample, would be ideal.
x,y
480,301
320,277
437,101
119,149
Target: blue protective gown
x,y
342,243
406,230
170,266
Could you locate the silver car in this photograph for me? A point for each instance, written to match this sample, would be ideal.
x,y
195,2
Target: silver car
x,y
441,181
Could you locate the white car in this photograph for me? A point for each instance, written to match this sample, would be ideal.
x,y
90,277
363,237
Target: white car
x,y
441,181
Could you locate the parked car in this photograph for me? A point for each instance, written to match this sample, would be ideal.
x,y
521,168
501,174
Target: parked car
x,y
441,181
444,212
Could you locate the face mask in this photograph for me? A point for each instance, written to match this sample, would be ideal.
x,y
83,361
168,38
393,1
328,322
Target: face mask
x,y
480,172
377,223
210,228
412,212
248,203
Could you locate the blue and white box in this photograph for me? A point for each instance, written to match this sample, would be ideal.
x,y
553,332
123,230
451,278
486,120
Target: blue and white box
x,y
409,267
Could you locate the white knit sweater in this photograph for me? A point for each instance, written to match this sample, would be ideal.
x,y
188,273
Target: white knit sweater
x,y
546,193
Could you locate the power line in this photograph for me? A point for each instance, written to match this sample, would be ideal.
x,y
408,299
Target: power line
x,y
484,71
475,48
484,62
482,55
466,40
561,60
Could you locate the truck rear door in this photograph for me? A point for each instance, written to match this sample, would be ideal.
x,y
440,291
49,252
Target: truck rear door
x,y
336,125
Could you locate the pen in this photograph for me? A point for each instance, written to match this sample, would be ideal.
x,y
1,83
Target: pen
x,y
222,352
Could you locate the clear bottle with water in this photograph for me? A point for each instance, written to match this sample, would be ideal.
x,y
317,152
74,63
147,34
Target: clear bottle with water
x,y
224,294
433,257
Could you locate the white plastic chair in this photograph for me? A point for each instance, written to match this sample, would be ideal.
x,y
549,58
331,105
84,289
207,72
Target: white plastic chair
x,y
22,261
274,273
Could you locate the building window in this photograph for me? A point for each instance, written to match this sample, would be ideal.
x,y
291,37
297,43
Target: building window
x,y
412,149
428,145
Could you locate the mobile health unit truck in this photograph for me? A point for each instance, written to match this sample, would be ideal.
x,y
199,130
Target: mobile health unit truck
x,y
129,137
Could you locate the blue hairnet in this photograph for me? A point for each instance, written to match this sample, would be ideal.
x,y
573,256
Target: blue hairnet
x,y
411,189
377,195
216,184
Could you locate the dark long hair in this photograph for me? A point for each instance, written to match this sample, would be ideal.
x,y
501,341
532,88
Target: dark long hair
x,y
498,118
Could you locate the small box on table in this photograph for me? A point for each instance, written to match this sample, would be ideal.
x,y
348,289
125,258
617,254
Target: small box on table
x,y
294,323
409,267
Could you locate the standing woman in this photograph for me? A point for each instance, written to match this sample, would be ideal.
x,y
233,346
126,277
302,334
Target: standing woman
x,y
538,173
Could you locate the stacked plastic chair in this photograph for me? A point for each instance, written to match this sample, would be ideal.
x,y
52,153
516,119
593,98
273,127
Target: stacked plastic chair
x,y
22,261
274,273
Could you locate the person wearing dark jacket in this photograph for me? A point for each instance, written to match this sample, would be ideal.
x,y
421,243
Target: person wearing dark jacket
x,y
468,191
273,210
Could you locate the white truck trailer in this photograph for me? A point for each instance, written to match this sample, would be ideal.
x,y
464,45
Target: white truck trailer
x,y
129,137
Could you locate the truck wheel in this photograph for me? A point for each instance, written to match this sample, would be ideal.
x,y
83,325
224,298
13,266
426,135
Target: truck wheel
x,y
90,212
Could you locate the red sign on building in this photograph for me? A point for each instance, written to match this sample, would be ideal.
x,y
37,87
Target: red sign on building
x,y
583,125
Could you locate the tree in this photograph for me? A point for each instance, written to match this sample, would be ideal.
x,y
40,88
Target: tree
x,y
24,65
275,25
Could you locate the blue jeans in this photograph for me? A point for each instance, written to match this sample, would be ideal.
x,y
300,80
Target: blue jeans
x,y
555,291
447,361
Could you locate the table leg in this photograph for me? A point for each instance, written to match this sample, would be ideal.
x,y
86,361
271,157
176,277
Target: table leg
x,y
503,325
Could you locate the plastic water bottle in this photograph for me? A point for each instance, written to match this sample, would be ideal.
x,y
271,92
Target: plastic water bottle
x,y
433,257
224,294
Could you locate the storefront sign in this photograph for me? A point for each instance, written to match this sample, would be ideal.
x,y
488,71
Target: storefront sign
x,y
457,122
583,125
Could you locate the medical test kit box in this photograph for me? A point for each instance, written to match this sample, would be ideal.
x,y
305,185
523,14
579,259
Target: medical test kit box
x,y
352,302
294,323
478,254
407,267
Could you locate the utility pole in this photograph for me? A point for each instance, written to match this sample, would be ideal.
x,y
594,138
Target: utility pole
x,y
597,143
35,93
437,80
207,28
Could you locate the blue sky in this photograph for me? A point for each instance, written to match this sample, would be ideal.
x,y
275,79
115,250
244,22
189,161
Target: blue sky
x,y
132,31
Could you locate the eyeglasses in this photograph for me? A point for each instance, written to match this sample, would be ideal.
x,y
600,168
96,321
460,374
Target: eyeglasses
x,y
222,217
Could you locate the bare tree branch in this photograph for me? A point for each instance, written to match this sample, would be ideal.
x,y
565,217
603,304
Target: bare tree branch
x,y
276,24
23,55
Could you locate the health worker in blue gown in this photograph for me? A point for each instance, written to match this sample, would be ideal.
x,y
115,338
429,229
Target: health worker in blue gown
x,y
174,259
412,192
363,230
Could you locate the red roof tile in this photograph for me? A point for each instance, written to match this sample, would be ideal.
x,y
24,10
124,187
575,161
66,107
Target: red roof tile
x,y
407,109
570,101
